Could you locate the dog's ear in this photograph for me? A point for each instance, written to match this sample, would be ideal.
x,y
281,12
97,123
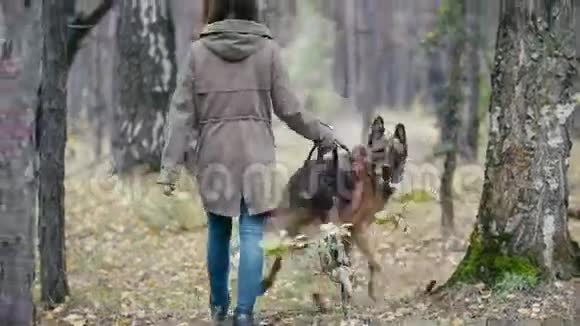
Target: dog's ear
x,y
378,125
399,153
401,133
401,136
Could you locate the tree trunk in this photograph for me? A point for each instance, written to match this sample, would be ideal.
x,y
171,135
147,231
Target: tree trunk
x,y
471,135
15,15
369,51
60,45
437,80
97,73
361,50
51,124
205,11
352,68
108,56
146,79
522,227
189,18
280,17
451,113
17,169
96,80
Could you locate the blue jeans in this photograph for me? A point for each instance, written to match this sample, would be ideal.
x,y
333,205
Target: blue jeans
x,y
251,260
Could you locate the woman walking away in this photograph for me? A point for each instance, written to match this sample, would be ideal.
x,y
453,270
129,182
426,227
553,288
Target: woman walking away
x,y
231,82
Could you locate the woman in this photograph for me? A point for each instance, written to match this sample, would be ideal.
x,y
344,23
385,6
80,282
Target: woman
x,y
232,81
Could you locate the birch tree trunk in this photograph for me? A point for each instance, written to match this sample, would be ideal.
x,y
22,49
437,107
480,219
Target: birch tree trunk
x,y
17,169
146,79
522,228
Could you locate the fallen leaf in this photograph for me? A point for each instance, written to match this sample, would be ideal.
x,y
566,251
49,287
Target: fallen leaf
x,y
524,311
75,320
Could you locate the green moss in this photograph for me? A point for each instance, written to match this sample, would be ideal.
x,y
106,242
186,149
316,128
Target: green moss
x,y
510,283
484,262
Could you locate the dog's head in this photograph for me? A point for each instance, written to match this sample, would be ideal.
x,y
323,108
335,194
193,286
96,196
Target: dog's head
x,y
388,150
360,159
384,149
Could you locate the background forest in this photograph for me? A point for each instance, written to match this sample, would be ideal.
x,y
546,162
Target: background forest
x,y
79,162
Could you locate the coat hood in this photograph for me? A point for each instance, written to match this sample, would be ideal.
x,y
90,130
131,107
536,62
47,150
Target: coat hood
x,y
235,40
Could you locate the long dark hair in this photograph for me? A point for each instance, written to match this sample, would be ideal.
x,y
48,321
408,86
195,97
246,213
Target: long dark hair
x,y
218,10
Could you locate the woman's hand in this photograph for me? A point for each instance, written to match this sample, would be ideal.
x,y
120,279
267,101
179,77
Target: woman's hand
x,y
168,190
328,141
168,179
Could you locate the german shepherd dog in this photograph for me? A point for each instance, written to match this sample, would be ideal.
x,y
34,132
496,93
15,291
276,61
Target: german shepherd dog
x,y
373,169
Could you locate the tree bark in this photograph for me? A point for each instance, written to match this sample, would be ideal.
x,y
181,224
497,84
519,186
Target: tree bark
x,y
146,79
17,169
51,124
59,47
451,112
522,227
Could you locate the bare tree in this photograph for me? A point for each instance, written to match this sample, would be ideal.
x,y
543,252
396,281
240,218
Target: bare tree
x,y
146,70
436,61
62,40
19,77
189,21
358,52
451,123
51,131
280,16
471,128
522,227
97,81
98,108
576,116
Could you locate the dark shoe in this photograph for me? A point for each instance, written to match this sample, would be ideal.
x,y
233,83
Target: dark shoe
x,y
218,315
243,320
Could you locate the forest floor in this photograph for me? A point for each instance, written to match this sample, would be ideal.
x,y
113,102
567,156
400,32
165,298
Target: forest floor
x,y
138,258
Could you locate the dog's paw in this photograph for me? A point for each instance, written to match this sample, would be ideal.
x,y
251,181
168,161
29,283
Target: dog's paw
x,y
277,265
320,302
266,285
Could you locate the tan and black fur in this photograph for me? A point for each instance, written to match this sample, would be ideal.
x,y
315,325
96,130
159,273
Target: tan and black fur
x,y
369,196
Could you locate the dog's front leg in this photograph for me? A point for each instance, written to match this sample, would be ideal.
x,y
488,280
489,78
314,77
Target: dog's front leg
x,y
294,220
271,278
360,237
